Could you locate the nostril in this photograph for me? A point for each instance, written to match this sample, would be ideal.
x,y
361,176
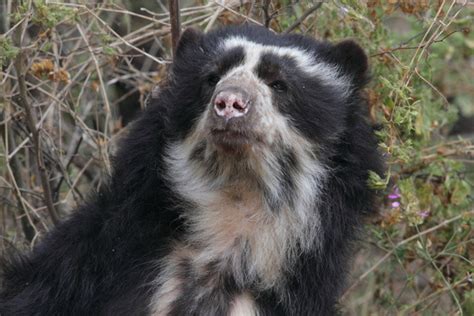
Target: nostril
x,y
220,105
239,106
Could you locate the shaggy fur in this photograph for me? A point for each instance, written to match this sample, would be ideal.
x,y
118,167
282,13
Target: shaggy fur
x,y
252,215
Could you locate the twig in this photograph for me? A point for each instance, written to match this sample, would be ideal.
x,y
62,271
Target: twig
x,y
30,116
73,185
267,17
434,294
71,152
128,44
415,47
13,165
303,17
403,242
426,160
229,8
103,91
427,42
175,23
213,19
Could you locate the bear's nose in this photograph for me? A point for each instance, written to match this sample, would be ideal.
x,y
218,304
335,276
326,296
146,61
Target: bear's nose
x,y
230,104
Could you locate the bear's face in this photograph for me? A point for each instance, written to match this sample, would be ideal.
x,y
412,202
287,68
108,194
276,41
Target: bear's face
x,y
256,90
259,95
259,111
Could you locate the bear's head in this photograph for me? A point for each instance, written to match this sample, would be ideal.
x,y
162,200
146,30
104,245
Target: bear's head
x,y
260,109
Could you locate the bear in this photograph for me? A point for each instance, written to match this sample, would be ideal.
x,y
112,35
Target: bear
x,y
240,190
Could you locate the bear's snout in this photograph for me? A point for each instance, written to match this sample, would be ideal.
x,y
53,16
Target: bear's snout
x,y
230,103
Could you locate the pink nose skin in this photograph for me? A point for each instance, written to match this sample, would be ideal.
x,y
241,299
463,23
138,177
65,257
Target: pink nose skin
x,y
229,105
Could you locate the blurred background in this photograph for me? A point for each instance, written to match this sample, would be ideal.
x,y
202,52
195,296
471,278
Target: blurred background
x,y
75,73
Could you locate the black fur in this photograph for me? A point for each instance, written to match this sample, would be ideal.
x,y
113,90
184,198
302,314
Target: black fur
x,y
103,259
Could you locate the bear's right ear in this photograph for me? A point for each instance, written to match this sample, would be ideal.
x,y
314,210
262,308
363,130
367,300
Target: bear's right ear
x,y
190,38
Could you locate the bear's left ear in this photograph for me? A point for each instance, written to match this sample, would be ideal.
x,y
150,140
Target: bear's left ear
x,y
352,60
188,40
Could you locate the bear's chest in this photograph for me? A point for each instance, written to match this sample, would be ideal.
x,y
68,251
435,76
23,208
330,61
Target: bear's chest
x,y
233,244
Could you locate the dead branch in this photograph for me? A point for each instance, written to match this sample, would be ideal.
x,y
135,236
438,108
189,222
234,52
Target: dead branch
x,y
175,23
30,115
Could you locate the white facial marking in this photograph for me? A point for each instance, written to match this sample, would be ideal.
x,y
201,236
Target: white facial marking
x,y
305,61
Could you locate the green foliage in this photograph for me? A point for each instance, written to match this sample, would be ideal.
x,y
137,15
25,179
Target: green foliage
x,y
427,180
7,50
410,198
50,15
468,305
376,182
110,51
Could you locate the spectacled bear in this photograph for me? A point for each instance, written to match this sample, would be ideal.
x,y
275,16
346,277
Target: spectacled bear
x,y
239,191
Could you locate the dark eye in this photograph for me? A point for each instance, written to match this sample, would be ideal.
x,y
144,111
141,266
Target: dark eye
x,y
213,79
278,85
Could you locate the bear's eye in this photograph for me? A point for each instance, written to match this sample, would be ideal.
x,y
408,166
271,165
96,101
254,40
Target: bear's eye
x,y
213,79
278,85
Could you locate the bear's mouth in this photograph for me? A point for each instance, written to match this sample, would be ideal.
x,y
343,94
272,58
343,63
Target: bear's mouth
x,y
231,140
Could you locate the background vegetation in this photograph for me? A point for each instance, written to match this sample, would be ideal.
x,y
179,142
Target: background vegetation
x,y
74,73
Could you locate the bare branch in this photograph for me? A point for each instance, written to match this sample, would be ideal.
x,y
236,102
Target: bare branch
x,y
403,242
20,62
308,12
175,23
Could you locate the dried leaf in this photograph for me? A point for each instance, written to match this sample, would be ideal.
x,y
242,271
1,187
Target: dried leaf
x,y
42,68
59,76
